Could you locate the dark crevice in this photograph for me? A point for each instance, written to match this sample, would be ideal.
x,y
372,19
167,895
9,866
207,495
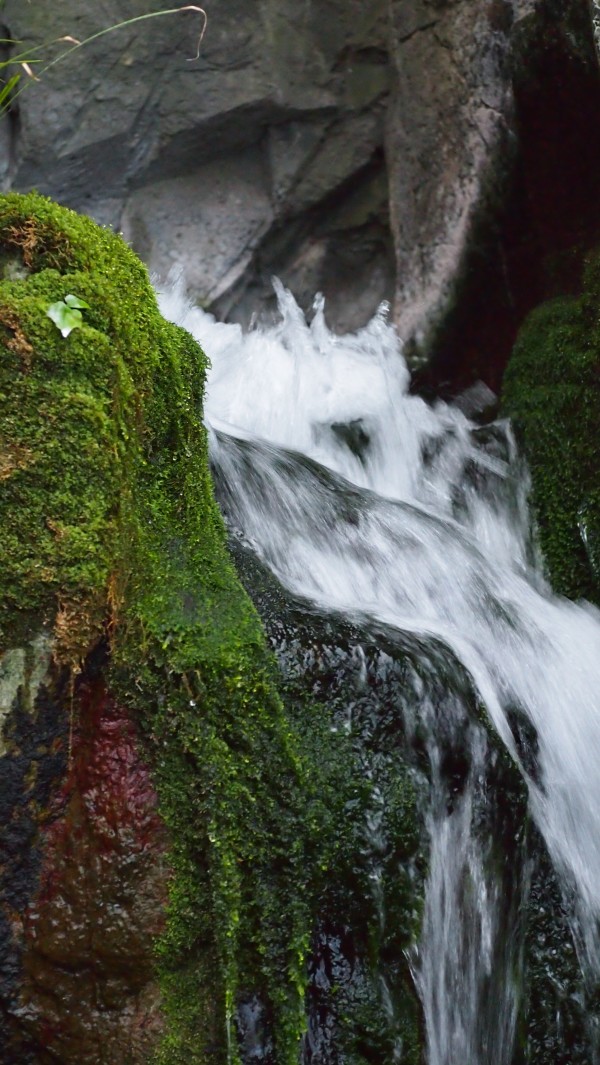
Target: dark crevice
x,y
368,56
418,29
534,247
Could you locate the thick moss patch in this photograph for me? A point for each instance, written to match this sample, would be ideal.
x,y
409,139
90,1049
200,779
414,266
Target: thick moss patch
x,y
109,526
552,391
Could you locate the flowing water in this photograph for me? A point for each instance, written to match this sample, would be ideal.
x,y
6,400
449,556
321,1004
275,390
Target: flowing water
x,y
366,500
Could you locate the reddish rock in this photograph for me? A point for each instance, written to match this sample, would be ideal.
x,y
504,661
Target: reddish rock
x,y
87,987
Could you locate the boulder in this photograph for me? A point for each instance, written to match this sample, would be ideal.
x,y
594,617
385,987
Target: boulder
x,y
450,152
157,866
203,162
401,154
551,393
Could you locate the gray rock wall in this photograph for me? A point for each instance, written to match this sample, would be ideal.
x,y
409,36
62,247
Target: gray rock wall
x,y
207,164
353,148
450,150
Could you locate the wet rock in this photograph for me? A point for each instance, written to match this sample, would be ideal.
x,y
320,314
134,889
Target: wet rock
x,y
374,689
562,1006
478,402
89,988
32,764
83,883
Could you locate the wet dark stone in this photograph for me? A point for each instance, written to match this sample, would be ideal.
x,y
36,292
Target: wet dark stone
x,y
526,740
376,683
82,889
253,1032
354,436
24,798
562,1014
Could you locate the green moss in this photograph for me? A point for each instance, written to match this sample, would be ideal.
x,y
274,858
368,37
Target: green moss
x,y
552,391
107,516
111,532
370,890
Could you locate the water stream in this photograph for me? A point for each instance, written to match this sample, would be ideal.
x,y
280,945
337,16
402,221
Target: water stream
x,y
366,500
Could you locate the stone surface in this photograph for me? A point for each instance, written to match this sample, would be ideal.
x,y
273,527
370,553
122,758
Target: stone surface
x,y
365,152
88,990
178,224
203,163
445,150
32,763
83,884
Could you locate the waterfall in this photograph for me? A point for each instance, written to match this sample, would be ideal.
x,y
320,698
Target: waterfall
x,y
364,499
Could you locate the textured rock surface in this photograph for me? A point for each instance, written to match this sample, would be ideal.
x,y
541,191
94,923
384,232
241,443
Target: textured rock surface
x,y
450,151
83,884
365,152
32,765
210,160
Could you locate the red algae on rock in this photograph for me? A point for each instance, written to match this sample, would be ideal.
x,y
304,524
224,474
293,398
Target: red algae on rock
x,y
89,991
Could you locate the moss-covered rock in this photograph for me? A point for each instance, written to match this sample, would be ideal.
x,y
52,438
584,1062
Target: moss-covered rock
x,y
346,686
110,532
552,391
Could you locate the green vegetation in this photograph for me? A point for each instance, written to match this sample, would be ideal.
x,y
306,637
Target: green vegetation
x,y
109,524
552,391
66,314
110,532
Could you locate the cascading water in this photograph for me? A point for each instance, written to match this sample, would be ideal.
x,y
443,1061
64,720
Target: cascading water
x,y
368,501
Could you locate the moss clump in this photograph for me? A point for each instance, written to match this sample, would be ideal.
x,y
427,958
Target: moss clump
x,y
108,517
552,391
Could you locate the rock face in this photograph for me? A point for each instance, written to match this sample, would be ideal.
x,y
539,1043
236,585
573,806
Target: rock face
x,y
145,751
450,151
490,161
84,882
213,164
368,154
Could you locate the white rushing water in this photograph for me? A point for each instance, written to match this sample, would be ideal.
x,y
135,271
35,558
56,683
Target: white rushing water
x,y
468,950
365,499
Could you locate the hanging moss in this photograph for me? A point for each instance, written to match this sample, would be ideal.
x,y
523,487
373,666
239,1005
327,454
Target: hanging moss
x,y
552,391
109,525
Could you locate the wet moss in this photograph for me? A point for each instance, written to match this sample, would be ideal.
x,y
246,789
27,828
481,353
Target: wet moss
x,y
112,533
552,391
346,688
109,525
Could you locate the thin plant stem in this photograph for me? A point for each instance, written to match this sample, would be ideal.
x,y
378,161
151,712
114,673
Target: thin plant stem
x,y
130,22
28,57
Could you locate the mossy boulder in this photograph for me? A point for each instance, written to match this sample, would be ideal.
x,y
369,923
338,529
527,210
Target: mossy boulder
x,y
552,392
113,542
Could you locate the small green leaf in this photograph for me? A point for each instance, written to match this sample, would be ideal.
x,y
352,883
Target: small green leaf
x,y
65,318
66,314
74,301
7,90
